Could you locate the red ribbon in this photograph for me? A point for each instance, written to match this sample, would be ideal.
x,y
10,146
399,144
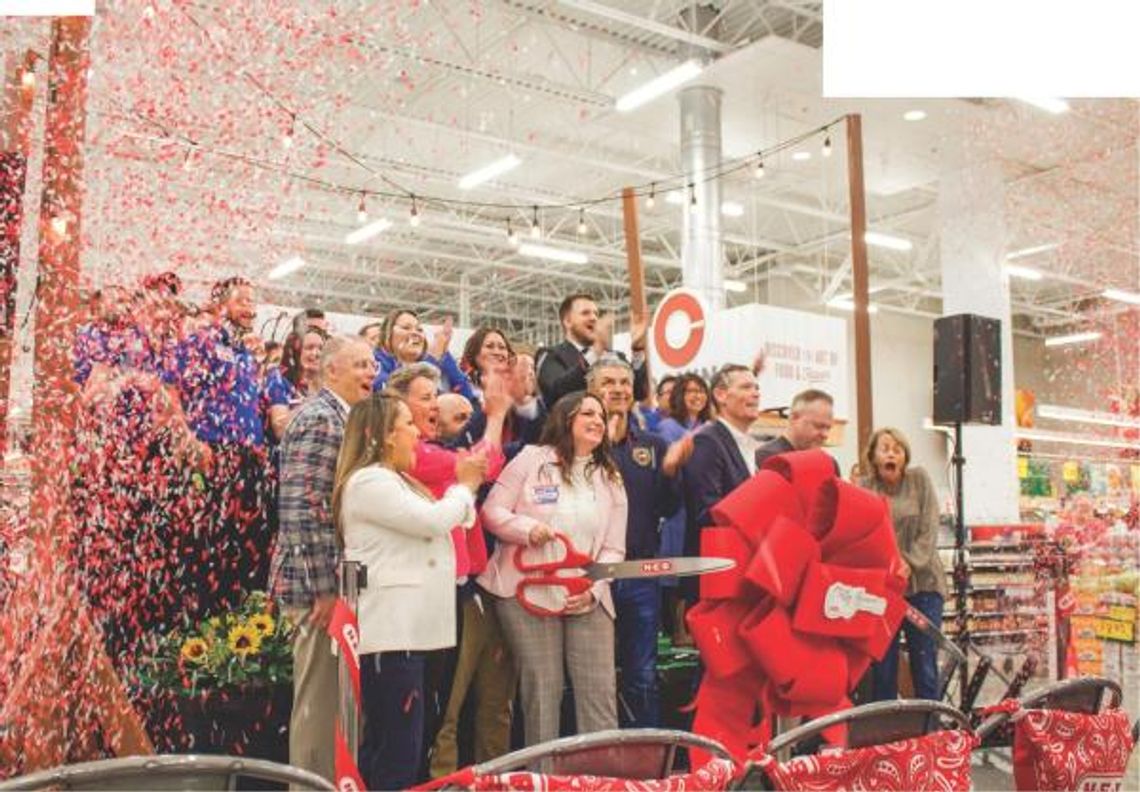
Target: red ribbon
x,y
792,628
344,629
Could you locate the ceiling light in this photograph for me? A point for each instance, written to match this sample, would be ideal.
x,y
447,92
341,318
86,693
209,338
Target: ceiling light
x,y
286,267
488,172
28,78
512,237
732,209
1031,251
674,197
535,228
1025,273
553,254
414,214
651,199
802,156
658,86
361,211
582,222
1123,296
1059,413
826,146
1054,106
735,285
367,232
914,115
887,241
1075,338
848,305
758,171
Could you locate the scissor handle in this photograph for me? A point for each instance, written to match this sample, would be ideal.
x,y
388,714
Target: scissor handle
x,y
572,585
572,560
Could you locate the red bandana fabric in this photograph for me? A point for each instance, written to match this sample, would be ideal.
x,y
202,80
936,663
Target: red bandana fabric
x,y
816,596
1053,749
937,762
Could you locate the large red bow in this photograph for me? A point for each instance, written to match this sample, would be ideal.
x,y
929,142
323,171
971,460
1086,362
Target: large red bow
x,y
816,595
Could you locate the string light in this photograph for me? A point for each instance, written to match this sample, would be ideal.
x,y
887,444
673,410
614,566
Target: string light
x,y
361,211
287,141
827,146
414,217
758,171
28,78
651,199
188,160
582,222
535,228
512,237
692,197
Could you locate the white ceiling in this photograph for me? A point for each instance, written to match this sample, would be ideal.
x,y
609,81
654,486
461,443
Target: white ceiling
x,y
190,102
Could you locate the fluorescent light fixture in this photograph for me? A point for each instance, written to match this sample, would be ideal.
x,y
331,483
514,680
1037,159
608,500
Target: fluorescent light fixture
x,y
490,171
1031,251
732,209
1025,273
368,231
1060,437
674,197
658,86
1059,413
286,267
553,254
1123,296
914,115
735,285
1054,106
1075,338
849,305
801,156
887,241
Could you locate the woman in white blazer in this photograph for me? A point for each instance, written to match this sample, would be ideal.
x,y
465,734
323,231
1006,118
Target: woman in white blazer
x,y
391,523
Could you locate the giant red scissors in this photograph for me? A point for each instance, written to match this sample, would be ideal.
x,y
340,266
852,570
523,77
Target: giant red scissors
x,y
544,574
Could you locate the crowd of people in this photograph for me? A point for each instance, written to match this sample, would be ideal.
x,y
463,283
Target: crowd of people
x,y
212,462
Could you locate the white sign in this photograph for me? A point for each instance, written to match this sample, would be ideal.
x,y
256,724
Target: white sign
x,y
802,350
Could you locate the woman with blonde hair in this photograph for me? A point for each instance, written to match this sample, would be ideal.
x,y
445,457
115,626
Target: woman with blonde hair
x,y
390,522
914,509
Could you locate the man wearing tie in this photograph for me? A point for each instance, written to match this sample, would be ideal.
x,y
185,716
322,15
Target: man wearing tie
x,y
562,368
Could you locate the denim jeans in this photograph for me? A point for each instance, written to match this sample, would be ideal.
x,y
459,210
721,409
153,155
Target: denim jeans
x,y
392,689
638,605
922,650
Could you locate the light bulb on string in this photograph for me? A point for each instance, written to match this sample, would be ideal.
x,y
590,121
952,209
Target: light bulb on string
x,y
287,141
361,211
692,197
512,237
827,146
758,171
651,199
188,160
582,222
414,215
535,228
28,78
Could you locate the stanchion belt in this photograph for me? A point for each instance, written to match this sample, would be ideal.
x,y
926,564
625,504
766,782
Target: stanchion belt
x,y
344,629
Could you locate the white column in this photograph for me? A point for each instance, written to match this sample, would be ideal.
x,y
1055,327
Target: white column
x,y
702,249
971,208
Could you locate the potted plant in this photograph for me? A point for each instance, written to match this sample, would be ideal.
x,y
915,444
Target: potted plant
x,y
229,680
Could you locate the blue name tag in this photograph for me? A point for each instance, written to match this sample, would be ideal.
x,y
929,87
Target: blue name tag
x,y
546,493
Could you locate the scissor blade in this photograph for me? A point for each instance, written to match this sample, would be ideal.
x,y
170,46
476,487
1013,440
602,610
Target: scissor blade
x,y
684,566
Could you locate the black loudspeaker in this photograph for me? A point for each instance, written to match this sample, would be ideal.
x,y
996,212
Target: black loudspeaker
x,y
967,370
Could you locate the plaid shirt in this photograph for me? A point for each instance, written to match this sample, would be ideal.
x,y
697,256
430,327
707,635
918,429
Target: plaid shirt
x,y
305,558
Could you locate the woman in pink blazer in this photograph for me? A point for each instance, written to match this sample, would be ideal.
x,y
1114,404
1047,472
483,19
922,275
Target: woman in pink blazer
x,y
569,484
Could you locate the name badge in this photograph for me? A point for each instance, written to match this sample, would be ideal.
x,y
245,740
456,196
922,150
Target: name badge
x,y
643,456
546,493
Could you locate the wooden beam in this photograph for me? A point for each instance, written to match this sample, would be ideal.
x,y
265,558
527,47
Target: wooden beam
x,y
860,277
638,306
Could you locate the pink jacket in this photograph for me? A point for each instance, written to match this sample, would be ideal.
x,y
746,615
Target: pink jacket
x,y
435,469
510,512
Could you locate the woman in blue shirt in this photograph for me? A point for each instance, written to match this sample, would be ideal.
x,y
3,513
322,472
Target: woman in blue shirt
x,y
403,342
296,379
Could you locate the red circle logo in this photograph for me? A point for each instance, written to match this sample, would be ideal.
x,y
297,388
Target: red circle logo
x,y
673,353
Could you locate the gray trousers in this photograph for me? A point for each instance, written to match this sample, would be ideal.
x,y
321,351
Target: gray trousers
x,y
315,694
541,645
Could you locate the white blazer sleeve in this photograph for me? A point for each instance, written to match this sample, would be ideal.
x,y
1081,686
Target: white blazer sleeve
x,y
379,499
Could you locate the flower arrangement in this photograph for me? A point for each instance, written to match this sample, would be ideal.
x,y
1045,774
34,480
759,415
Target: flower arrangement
x,y
246,647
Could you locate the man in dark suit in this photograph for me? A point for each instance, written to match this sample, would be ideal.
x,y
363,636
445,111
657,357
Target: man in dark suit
x,y
723,455
809,424
562,368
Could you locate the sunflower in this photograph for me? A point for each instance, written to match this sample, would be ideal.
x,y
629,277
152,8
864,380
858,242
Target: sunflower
x,y
244,640
263,623
194,650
